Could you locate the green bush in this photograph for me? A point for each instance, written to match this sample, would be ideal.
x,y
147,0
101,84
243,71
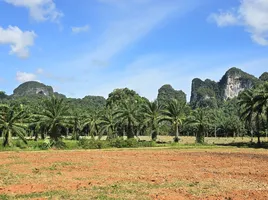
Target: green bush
x,y
41,144
130,143
147,144
20,144
93,144
58,144
81,144
71,144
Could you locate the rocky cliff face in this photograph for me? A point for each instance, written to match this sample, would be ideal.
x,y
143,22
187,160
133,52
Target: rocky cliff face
x,y
210,93
204,93
234,86
33,88
235,81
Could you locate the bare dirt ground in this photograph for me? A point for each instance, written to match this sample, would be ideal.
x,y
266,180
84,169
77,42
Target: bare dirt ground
x,y
135,174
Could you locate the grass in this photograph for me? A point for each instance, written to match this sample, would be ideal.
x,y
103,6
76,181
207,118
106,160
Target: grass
x,y
163,141
48,195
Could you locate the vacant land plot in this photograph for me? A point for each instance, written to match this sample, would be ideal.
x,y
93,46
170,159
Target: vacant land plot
x,y
135,174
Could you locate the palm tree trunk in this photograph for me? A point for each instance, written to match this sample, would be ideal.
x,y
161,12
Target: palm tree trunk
x,y
35,135
9,139
154,133
130,130
251,133
176,139
258,129
215,131
200,135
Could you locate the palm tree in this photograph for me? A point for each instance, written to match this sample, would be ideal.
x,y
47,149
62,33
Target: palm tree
x,y
247,103
54,115
261,99
216,118
152,113
108,124
12,122
76,124
175,113
92,122
128,113
199,120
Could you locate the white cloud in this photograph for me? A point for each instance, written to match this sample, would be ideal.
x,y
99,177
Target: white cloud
x,y
40,10
24,77
80,29
224,18
18,40
252,14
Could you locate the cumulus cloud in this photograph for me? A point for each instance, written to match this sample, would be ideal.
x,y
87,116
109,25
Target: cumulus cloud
x,y
80,29
24,77
18,40
251,14
40,10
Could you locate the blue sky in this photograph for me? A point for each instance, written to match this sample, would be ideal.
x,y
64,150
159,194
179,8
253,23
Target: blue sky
x,y
90,47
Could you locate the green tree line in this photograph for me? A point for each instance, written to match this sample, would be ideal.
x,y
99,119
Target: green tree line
x,y
125,113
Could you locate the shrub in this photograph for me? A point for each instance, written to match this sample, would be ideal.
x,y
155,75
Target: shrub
x,y
118,143
93,144
42,145
58,144
20,144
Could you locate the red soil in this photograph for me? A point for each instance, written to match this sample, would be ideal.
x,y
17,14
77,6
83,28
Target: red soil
x,y
171,174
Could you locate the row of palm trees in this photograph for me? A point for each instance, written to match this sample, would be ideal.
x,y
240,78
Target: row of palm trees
x,y
129,117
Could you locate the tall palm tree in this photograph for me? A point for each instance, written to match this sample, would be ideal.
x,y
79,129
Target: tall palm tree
x,y
199,119
128,113
174,112
92,121
217,118
247,110
261,99
12,122
55,115
76,124
108,124
152,113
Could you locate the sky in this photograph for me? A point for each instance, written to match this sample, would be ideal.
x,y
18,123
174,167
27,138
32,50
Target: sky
x,y
91,47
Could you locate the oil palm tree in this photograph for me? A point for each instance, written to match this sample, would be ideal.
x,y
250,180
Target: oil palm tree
x,y
247,109
199,119
128,113
92,121
174,112
12,122
261,99
55,115
108,124
152,113
76,124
